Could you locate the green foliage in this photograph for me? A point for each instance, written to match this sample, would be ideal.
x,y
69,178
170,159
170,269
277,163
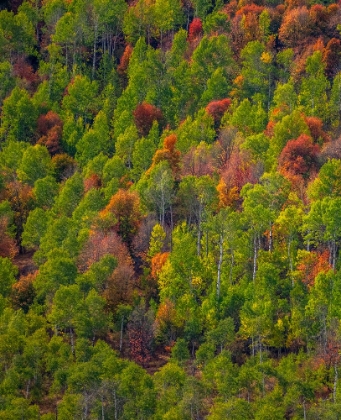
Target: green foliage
x,y
224,282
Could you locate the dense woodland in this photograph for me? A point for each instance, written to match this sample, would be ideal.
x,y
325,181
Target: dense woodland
x,y
170,209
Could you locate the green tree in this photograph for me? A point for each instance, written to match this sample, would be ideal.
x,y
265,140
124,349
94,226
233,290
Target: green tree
x,y
19,116
313,94
8,273
35,164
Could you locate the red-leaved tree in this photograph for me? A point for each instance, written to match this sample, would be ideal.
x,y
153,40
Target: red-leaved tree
x,y
195,29
299,157
144,116
217,109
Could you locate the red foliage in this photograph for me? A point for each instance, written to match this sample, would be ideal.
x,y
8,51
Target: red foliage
x,y
217,109
316,129
25,71
48,121
93,181
238,171
332,57
195,29
299,157
230,8
50,128
144,115
124,62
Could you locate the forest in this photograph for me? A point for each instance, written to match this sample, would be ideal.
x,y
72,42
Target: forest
x,y
170,209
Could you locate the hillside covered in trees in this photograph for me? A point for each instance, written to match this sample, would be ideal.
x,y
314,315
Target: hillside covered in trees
x,y
170,209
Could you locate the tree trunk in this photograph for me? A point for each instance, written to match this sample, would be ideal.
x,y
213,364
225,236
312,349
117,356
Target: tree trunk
x,y
220,262
335,382
255,256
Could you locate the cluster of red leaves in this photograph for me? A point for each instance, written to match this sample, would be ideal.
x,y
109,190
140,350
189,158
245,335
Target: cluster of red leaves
x,y
25,72
239,170
299,158
195,29
50,128
217,109
144,116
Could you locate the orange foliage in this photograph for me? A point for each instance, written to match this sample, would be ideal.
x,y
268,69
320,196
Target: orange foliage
x,y
165,316
269,131
296,27
169,153
124,62
228,197
22,294
21,199
157,262
311,265
252,8
123,214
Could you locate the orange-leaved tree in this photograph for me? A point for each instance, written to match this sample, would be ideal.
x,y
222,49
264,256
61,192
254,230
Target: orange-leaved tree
x,y
123,214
